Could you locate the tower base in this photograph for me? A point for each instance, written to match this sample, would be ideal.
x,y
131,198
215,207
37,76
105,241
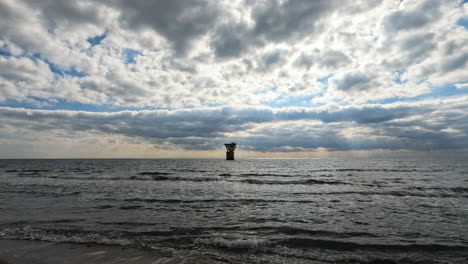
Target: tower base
x,y
229,155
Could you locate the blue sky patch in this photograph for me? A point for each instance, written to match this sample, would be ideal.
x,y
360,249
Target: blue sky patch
x,y
4,52
325,79
62,104
96,40
397,76
129,55
285,101
463,22
60,71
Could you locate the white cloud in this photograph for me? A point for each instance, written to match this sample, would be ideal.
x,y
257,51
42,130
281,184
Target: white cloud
x,y
229,52
462,85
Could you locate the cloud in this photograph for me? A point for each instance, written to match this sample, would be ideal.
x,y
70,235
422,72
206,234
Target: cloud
x,y
414,17
356,81
333,59
231,40
462,85
19,74
191,54
457,62
58,12
178,21
270,58
416,125
282,20
234,64
418,46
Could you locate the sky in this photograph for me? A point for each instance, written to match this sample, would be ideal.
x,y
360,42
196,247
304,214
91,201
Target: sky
x,y
293,79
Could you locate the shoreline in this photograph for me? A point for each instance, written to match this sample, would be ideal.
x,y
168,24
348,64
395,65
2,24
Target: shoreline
x,y
43,252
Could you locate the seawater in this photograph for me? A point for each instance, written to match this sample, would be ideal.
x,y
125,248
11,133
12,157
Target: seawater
x,y
331,210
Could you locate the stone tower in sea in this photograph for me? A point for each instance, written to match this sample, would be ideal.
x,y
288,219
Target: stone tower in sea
x,y
230,147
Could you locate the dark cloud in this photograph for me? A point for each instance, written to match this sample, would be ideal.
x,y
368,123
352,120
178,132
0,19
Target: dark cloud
x,y
418,17
304,60
283,139
418,126
271,58
333,59
8,13
183,66
352,81
231,40
329,59
324,136
419,45
280,21
179,21
274,21
59,12
458,62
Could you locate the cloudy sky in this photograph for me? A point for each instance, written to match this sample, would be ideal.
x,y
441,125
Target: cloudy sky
x,y
297,78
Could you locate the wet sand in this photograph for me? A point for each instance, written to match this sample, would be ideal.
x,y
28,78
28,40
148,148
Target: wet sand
x,y
40,252
25,252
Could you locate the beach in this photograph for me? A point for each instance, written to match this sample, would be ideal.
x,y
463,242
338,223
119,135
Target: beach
x,y
40,252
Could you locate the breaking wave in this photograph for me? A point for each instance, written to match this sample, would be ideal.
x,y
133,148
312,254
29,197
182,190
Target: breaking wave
x,y
305,182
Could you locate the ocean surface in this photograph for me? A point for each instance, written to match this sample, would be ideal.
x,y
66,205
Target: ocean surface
x,y
330,210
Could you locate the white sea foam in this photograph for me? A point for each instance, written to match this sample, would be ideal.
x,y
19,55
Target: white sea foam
x,y
28,233
237,243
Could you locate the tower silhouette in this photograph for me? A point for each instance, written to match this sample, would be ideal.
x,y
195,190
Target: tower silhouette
x,y
230,147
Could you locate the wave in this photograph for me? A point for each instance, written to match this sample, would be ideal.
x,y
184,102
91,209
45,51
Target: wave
x,y
271,174
130,207
404,194
126,223
177,178
292,231
35,170
38,193
352,246
441,189
387,193
68,235
192,170
154,173
247,200
304,182
144,177
457,192
237,244
202,239
377,170
106,206
459,189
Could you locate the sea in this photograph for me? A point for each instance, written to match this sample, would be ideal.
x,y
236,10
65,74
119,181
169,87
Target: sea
x,y
317,210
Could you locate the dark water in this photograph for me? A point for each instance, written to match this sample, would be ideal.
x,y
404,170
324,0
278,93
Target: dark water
x,y
346,210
